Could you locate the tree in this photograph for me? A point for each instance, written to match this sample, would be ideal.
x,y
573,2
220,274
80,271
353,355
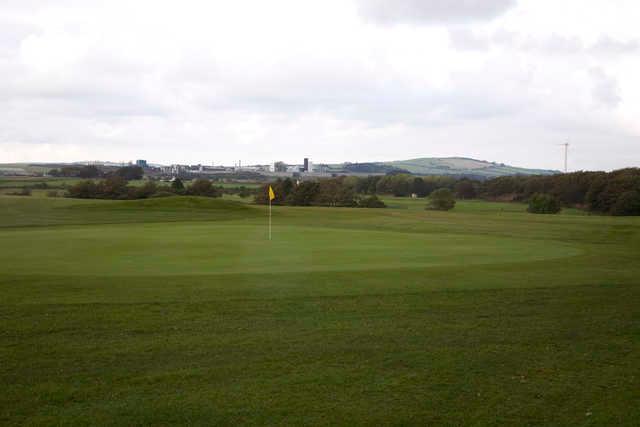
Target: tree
x,y
542,203
335,192
465,189
400,186
419,187
280,167
441,200
89,171
627,204
177,185
303,194
130,173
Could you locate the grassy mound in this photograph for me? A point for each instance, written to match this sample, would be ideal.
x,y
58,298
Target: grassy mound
x,y
34,211
174,204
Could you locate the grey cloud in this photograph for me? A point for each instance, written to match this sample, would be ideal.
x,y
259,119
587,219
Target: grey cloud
x,y
114,95
432,11
464,39
608,45
554,44
605,88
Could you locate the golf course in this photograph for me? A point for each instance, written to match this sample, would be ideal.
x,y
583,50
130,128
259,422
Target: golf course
x,y
180,310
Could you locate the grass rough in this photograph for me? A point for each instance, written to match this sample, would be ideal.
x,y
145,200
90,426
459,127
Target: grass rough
x,y
181,311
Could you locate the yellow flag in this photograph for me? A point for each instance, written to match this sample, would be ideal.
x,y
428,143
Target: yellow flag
x,y
272,195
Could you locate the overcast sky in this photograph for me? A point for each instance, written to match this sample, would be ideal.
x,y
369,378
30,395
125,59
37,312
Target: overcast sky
x,y
362,80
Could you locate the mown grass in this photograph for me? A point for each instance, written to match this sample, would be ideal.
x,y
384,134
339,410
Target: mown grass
x,y
180,311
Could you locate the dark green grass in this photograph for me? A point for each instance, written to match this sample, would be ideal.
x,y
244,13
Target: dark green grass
x,y
19,182
179,311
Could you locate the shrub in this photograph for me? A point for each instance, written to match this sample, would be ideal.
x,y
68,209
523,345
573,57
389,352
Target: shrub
x,y
162,193
114,187
627,204
83,190
52,193
146,190
371,202
244,192
542,203
441,200
24,191
202,187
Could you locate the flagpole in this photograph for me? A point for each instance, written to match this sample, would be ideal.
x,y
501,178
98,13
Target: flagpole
x,y
272,196
269,218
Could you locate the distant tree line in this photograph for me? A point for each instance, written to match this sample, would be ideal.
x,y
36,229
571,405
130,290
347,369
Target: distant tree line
x,y
90,171
116,187
337,192
615,193
404,185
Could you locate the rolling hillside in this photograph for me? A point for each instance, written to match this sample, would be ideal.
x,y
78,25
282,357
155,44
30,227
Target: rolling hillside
x,y
444,166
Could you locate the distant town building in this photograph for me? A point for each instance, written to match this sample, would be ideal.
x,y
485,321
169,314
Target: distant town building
x,y
141,163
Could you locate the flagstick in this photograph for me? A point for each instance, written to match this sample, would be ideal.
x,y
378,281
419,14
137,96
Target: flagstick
x,y
269,218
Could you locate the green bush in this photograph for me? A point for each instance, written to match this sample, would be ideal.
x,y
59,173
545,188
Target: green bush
x,y
542,203
146,190
441,200
24,191
371,202
202,187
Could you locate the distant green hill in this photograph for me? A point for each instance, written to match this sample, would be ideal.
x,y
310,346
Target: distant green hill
x,y
443,166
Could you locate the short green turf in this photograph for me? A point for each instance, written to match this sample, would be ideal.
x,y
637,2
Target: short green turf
x,y
180,311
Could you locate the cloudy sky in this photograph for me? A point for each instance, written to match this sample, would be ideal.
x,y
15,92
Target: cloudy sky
x,y
361,80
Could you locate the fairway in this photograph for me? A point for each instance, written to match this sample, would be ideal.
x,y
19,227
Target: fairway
x,y
180,311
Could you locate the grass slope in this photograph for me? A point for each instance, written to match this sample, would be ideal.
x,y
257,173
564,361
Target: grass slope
x,y
462,166
180,311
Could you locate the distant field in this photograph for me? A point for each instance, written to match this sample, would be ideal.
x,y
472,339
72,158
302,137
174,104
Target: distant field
x,y
475,206
9,184
238,184
180,311
15,182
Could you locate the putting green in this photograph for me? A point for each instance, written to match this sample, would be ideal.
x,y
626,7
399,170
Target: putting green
x,y
232,247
